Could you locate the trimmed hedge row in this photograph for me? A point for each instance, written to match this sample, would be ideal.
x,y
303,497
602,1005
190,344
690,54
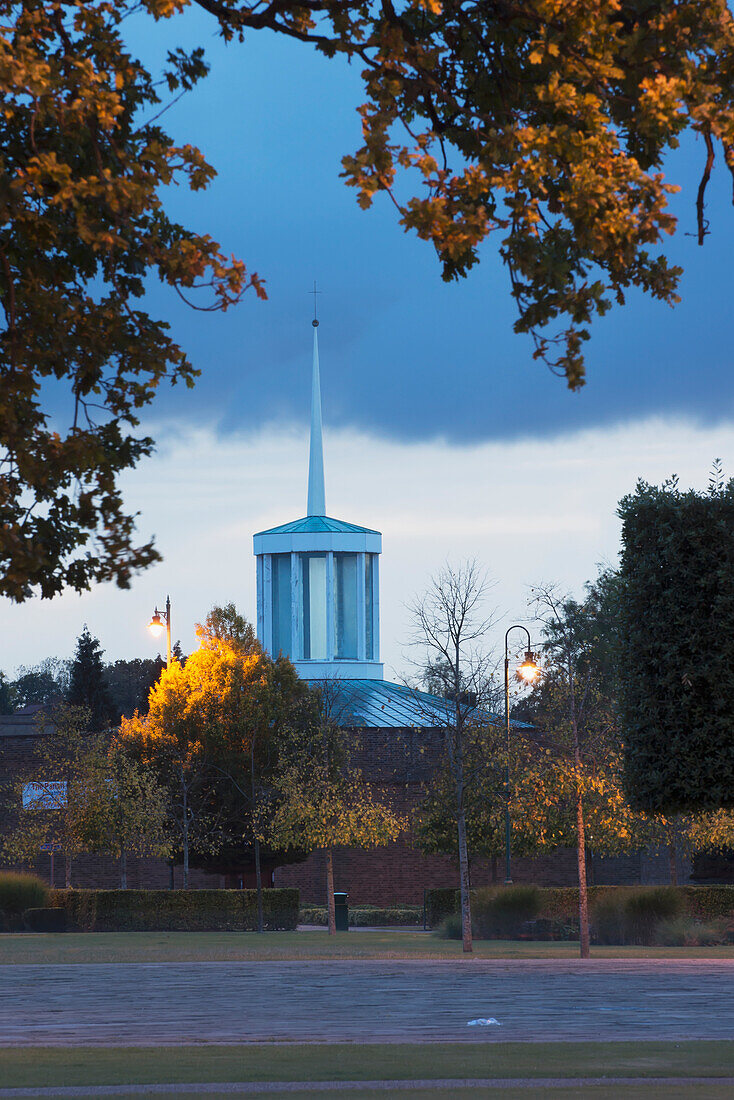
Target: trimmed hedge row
x,y
561,903
176,910
367,916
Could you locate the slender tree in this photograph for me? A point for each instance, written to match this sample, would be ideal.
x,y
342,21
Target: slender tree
x,y
52,797
125,811
565,644
486,796
259,701
451,625
322,800
170,740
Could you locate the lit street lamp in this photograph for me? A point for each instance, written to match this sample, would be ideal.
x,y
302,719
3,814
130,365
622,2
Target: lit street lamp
x,y
155,626
528,671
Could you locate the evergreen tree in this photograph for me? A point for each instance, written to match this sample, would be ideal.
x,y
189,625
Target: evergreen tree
x,y
129,684
7,695
87,686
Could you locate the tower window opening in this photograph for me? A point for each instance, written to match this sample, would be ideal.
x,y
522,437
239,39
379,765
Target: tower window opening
x,y
281,574
314,606
345,606
368,601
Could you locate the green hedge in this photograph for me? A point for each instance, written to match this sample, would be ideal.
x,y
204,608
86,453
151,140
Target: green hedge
x,y
676,601
561,903
176,910
709,902
365,916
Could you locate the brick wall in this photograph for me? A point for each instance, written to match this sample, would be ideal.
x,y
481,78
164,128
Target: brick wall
x,y
398,874
395,762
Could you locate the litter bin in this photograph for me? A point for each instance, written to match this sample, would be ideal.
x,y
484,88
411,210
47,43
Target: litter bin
x,y
341,912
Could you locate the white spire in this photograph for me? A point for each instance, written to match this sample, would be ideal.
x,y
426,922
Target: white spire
x,y
316,490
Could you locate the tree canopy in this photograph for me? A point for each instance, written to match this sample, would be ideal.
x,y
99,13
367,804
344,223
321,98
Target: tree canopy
x,y
83,163
42,684
542,125
213,732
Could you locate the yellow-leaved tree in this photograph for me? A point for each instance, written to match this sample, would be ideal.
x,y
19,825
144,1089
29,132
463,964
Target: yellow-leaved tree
x,y
322,800
213,730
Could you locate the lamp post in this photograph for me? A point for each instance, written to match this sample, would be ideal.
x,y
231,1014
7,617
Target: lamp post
x,y
528,671
155,626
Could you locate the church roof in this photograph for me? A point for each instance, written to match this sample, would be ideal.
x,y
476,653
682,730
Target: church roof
x,y
314,524
381,704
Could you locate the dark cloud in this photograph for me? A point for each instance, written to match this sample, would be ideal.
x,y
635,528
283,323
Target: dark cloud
x,y
402,352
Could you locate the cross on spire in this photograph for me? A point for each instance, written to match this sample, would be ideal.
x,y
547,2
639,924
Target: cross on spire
x,y
315,292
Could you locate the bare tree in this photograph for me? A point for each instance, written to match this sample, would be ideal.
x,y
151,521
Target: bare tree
x,y
450,622
565,641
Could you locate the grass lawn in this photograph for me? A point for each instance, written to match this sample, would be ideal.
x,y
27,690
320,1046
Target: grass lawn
x,y
127,947
91,1066
592,1092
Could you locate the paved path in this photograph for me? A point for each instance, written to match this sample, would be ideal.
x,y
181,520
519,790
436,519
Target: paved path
x,y
451,1085
366,1000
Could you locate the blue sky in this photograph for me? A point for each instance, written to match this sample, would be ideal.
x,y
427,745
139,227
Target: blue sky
x,y
404,353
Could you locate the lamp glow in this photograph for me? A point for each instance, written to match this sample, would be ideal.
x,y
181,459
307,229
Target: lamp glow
x,y
529,670
155,626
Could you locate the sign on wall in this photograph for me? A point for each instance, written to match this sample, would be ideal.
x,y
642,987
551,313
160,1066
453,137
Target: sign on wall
x,y
45,796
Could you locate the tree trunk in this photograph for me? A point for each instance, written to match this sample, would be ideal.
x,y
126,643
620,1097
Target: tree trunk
x,y
253,804
67,871
185,830
583,893
672,856
259,885
123,869
330,891
464,883
186,859
580,830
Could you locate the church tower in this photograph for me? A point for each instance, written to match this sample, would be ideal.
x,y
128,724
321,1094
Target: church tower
x,y
318,580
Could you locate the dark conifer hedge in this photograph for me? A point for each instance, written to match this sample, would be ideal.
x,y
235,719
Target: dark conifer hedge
x,y
677,647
